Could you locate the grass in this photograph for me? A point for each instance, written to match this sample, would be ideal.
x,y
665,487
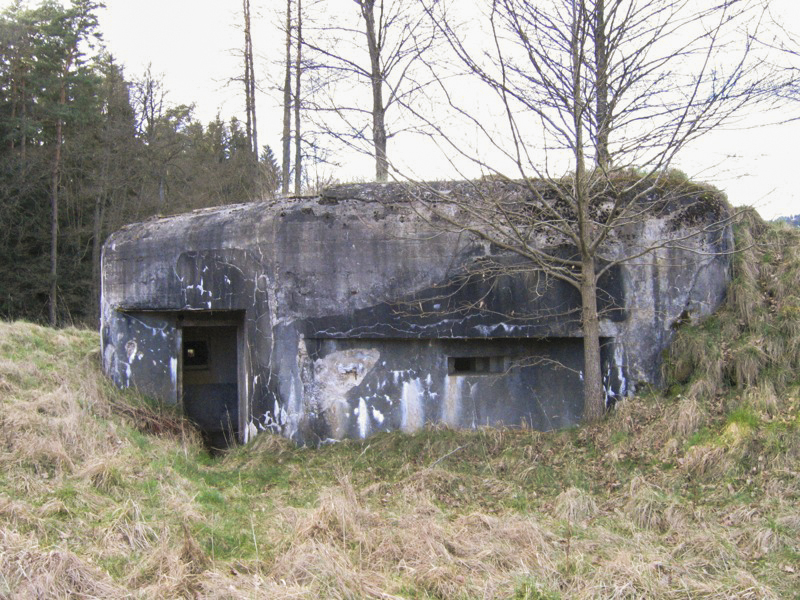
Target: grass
x,y
688,494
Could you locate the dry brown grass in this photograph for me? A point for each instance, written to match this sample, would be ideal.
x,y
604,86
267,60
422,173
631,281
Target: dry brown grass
x,y
693,496
706,462
28,571
690,415
646,505
575,505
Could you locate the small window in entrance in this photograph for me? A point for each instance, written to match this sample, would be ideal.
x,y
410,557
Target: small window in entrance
x,y
195,354
475,365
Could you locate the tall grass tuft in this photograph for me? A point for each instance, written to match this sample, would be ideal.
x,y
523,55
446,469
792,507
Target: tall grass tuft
x,y
754,340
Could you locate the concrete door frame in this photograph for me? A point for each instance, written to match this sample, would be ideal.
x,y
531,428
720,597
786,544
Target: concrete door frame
x,y
217,318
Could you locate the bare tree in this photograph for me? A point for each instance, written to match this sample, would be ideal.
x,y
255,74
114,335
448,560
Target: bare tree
x,y
298,78
286,140
384,50
250,85
596,97
158,124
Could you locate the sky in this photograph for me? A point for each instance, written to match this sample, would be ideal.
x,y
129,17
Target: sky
x,y
193,44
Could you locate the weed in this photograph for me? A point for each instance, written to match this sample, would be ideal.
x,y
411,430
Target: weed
x,y
530,589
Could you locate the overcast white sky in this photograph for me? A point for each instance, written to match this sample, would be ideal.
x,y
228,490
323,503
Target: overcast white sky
x,y
192,43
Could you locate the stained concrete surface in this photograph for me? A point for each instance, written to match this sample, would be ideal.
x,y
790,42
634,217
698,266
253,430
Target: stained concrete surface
x,y
351,307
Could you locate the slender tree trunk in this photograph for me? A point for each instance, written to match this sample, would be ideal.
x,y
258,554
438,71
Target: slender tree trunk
x,y
251,124
97,228
24,123
53,304
250,88
18,95
378,110
594,397
17,98
594,403
54,179
601,84
287,103
248,123
14,102
298,70
594,394
55,175
97,243
248,119
253,105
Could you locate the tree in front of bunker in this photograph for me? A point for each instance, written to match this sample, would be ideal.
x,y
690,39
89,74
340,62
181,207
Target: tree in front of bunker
x,y
596,99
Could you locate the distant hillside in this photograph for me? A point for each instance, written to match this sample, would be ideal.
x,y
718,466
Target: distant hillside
x,y
692,493
794,220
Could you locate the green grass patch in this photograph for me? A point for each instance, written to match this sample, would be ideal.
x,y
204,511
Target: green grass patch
x,y
744,416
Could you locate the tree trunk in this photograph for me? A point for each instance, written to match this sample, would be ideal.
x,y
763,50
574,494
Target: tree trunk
x,y
594,404
24,123
287,103
248,127
378,109
601,86
97,227
97,243
250,90
593,395
253,102
298,70
54,176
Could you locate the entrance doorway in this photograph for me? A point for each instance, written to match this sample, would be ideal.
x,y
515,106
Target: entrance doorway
x,y
210,377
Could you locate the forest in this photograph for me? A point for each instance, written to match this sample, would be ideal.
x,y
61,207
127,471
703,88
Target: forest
x,y
85,149
599,91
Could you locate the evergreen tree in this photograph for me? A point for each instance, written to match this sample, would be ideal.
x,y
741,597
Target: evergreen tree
x,y
49,93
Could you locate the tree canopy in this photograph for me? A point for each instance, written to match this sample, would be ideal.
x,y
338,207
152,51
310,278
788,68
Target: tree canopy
x,y
84,149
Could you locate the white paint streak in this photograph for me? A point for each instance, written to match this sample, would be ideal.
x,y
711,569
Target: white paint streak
x,y
412,406
619,359
130,350
488,330
284,416
363,418
451,407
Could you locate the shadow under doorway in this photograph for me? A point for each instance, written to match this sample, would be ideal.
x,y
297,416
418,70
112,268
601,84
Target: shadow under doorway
x,y
209,375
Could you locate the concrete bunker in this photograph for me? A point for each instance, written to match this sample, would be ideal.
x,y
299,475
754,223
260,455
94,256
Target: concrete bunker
x,y
349,313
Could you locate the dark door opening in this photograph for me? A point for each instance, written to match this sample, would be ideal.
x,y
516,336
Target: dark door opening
x,y
210,375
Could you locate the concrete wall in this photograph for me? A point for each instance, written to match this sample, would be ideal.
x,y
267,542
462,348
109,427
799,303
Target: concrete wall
x,y
351,305
359,387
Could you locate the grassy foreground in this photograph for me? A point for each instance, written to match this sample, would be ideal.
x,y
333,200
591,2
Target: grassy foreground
x,y
694,493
